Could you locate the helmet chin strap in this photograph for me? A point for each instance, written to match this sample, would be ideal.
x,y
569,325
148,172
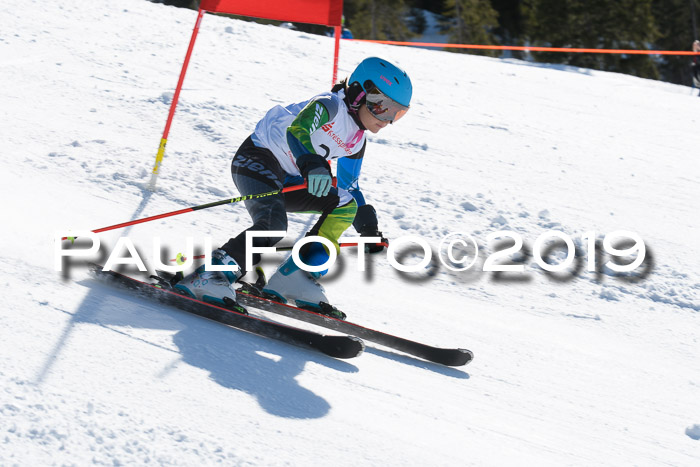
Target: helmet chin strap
x,y
354,107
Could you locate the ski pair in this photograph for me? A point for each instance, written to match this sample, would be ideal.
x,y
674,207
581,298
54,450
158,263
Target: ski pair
x,y
347,346
252,295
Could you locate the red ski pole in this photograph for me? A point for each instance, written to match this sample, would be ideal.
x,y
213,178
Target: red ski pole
x,y
197,208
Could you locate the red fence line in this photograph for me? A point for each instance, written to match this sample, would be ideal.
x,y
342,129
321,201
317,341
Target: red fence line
x,y
532,48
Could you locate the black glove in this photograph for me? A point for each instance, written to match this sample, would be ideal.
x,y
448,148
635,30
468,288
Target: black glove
x,y
366,225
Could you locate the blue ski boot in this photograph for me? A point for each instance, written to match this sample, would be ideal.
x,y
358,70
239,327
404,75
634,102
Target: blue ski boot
x,y
215,287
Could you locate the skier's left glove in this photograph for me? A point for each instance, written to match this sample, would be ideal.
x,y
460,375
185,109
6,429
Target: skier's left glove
x,y
374,247
366,225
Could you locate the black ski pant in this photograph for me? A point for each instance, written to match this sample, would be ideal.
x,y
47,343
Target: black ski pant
x,y
256,170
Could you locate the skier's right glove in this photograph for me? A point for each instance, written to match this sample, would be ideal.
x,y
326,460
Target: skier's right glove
x,y
366,225
320,182
317,172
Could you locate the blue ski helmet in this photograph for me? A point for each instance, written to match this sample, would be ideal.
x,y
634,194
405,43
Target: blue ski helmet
x,y
386,87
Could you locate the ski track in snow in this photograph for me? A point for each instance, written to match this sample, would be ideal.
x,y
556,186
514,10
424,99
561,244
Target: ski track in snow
x,y
595,369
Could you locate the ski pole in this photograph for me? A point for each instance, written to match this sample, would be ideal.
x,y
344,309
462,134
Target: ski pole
x,y
197,208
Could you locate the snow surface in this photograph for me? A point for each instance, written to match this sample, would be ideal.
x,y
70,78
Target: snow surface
x,y
593,370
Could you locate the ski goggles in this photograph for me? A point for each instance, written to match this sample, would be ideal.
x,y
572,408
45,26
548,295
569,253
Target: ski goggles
x,y
382,107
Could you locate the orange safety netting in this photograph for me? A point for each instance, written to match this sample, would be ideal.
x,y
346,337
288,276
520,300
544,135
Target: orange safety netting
x,y
532,48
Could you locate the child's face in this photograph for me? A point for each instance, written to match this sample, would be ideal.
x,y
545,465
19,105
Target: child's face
x,y
369,121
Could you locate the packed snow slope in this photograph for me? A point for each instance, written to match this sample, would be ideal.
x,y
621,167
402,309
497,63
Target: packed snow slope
x,y
593,369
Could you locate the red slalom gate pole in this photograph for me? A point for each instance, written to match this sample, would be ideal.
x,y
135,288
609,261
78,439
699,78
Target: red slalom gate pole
x,y
173,105
200,207
338,33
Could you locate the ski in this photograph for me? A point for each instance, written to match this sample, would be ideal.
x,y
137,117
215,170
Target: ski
x,y
334,346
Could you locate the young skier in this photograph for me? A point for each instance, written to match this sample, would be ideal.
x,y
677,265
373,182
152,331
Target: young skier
x,y
294,144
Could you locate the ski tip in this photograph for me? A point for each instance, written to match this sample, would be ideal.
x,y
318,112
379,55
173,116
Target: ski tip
x,y
467,356
453,357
